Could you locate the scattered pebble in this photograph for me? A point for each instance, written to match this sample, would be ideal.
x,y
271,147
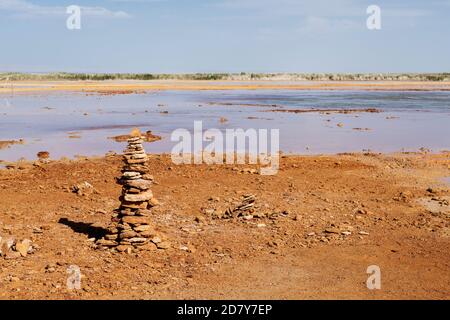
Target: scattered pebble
x,y
261,225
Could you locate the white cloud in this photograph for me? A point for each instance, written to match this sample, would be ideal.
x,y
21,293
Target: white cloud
x,y
26,8
316,17
320,25
138,1
295,7
319,8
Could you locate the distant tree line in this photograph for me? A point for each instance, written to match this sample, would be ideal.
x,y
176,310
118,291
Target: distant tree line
x,y
228,76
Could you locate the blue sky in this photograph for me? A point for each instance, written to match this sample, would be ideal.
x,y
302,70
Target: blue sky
x,y
176,36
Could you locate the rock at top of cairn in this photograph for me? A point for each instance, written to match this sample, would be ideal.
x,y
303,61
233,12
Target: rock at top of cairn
x,y
135,133
132,228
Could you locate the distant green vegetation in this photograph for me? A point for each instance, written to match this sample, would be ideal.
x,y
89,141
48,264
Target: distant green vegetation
x,y
111,76
229,76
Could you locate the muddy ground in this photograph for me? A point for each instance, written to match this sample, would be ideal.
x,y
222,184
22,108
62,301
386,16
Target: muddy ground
x,y
318,224
116,87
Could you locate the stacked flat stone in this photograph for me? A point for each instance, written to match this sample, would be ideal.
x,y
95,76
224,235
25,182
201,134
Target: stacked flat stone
x,y
132,226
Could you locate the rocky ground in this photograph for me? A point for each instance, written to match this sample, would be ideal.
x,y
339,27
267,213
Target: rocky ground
x,y
310,231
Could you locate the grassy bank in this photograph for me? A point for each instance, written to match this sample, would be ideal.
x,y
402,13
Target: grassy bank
x,y
227,76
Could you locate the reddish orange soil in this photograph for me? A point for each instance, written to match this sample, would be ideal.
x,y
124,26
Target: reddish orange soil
x,y
8,143
327,111
148,137
135,86
393,206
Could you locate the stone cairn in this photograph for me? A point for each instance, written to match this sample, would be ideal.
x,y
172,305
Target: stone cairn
x,y
131,227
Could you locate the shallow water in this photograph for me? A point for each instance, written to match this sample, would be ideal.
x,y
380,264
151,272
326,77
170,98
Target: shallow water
x,y
45,121
446,180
